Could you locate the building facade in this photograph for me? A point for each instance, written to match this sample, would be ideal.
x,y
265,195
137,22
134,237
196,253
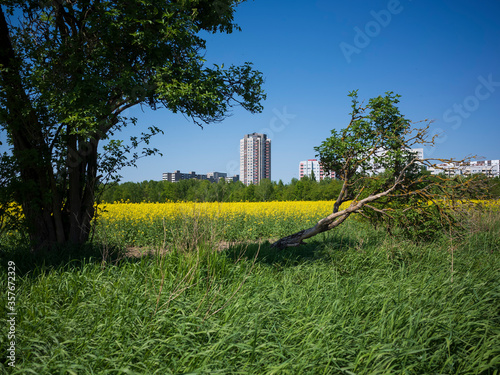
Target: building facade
x,y
490,168
255,158
212,176
308,167
417,152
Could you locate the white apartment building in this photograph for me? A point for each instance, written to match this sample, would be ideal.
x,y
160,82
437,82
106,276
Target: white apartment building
x,y
255,158
490,168
418,152
307,167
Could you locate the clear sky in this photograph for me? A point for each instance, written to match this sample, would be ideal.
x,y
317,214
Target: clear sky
x,y
442,56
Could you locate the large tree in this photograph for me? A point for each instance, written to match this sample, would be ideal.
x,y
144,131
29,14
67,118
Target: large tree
x,y
384,179
69,70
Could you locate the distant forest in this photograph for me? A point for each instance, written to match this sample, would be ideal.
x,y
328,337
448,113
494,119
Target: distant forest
x,y
193,190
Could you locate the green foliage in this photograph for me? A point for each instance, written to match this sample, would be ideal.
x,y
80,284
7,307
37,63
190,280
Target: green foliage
x,y
202,191
374,139
494,188
422,223
10,214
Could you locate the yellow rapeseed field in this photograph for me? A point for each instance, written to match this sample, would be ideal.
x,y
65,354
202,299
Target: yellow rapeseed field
x,y
154,211
145,224
148,224
148,212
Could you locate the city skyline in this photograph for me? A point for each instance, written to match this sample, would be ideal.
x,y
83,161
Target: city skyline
x,y
447,72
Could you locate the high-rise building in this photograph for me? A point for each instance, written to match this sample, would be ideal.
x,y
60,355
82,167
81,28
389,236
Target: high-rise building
x,y
307,167
255,158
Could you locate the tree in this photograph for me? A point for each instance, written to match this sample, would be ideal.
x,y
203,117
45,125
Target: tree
x,y
237,191
249,193
69,70
313,177
494,187
383,179
264,191
220,190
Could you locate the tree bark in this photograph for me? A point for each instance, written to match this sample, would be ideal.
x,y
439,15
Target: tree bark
x,y
82,184
49,223
298,238
29,147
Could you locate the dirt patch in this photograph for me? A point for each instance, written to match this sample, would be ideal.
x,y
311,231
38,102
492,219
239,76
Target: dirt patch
x,y
138,252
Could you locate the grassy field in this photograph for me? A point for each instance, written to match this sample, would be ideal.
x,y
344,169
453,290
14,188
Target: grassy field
x,y
353,301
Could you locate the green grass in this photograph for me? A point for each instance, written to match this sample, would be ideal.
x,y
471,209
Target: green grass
x,y
350,302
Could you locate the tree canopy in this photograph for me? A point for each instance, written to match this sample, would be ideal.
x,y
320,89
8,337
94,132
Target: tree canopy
x,y
69,70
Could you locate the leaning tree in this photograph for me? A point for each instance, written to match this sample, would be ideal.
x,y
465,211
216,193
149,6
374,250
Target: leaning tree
x,y
69,70
384,179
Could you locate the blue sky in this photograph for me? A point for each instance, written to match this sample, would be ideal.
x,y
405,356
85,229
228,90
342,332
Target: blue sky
x,y
442,56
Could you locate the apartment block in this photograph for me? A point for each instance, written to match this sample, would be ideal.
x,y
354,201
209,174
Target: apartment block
x,y
212,176
490,168
307,167
417,152
255,158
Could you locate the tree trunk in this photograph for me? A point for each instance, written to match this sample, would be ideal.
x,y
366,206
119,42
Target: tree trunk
x,y
36,188
298,238
29,148
331,221
82,183
49,223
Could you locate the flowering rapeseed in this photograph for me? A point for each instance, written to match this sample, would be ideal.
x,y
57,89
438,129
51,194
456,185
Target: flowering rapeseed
x,y
154,223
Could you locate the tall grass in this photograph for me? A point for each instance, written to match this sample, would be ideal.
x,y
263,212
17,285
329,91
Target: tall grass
x,y
350,302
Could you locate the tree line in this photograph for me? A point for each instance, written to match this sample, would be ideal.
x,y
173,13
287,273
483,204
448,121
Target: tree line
x,y
305,189
193,190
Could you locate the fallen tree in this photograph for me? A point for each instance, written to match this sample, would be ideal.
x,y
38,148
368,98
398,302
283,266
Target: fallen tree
x,y
384,176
